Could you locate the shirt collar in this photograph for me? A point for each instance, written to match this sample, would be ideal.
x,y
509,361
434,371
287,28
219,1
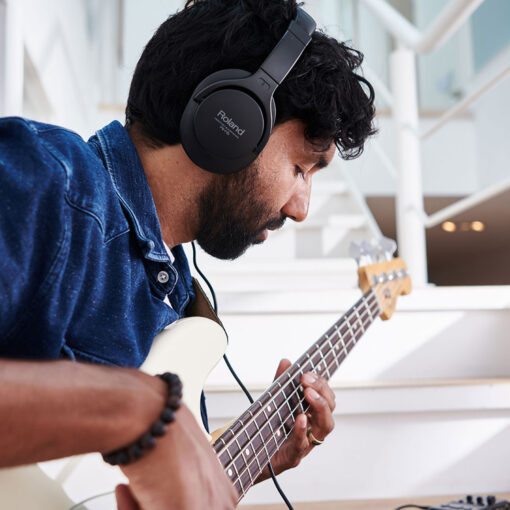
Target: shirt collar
x,y
121,160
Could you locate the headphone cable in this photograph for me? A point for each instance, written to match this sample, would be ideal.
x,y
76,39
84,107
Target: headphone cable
x,y
232,371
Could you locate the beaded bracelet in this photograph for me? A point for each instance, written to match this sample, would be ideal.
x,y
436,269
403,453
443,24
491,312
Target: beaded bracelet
x,y
146,442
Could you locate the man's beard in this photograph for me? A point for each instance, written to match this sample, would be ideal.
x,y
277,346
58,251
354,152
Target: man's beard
x,y
233,214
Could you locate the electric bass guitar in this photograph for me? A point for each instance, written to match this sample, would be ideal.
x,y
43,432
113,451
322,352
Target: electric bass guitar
x,y
246,446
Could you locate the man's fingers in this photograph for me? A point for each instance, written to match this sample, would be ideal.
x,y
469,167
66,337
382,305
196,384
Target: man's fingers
x,y
321,386
322,417
299,441
125,500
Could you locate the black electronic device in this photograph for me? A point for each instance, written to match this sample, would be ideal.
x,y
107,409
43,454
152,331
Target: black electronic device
x,y
231,113
474,503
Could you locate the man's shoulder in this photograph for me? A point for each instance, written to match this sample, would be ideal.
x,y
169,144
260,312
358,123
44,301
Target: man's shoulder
x,y
31,146
53,159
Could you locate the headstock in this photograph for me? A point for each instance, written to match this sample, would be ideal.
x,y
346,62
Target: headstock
x,y
378,270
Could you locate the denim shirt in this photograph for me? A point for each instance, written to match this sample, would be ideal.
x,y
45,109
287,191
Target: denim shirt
x,y
83,267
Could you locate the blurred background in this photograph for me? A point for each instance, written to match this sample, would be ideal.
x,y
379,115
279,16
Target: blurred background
x,y
423,403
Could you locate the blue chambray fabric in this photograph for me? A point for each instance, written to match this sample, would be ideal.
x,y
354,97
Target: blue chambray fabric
x,y
81,248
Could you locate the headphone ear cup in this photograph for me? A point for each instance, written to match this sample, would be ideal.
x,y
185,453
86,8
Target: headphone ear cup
x,y
273,114
223,125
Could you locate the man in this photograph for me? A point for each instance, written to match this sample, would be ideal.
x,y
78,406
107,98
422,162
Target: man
x,y
84,272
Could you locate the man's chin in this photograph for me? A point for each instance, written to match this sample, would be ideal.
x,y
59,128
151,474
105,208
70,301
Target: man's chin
x,y
229,252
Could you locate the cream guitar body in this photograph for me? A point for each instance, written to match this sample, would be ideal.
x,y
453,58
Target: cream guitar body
x,y
190,347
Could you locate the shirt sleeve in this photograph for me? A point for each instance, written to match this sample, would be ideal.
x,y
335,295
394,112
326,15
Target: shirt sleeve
x,y
32,223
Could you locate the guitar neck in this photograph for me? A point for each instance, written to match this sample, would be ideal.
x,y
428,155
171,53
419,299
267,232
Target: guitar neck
x,y
247,446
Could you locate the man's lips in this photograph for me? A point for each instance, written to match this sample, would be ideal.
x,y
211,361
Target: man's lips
x,y
273,225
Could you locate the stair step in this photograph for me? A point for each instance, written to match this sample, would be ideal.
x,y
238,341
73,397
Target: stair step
x,y
270,275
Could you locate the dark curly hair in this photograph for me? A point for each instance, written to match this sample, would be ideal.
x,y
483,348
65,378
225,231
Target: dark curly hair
x,y
323,89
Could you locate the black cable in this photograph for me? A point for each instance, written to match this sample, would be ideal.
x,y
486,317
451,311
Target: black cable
x,y
232,371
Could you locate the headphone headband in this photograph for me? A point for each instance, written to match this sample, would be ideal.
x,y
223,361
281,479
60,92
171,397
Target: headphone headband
x,y
290,47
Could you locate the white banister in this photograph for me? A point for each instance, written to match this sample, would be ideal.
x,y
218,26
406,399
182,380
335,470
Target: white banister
x,y
462,105
384,158
444,26
466,203
380,88
409,198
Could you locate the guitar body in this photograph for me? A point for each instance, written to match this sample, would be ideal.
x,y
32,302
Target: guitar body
x,y
190,347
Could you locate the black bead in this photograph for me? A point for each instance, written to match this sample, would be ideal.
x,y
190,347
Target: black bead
x,y
166,377
158,428
111,458
147,441
174,380
122,457
167,415
135,451
173,402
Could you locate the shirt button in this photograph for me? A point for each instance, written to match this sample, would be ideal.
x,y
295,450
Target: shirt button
x,y
163,277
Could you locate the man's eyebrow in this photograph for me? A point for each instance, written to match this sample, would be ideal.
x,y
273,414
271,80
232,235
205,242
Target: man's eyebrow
x,y
322,162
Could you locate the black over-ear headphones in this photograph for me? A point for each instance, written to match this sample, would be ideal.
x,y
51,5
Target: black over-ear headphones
x,y
231,113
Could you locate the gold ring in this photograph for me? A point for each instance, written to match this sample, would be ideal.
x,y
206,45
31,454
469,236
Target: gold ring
x,y
313,440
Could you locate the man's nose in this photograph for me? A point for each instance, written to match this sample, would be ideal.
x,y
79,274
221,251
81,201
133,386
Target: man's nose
x,y
297,206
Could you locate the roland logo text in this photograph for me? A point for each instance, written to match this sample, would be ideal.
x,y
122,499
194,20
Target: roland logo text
x,y
230,123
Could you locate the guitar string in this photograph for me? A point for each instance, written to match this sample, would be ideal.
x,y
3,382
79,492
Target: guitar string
x,y
348,316
328,338
367,304
247,467
354,338
324,340
241,478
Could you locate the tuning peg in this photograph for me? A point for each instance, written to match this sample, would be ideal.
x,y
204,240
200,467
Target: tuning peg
x,y
362,252
388,247
355,251
368,251
377,250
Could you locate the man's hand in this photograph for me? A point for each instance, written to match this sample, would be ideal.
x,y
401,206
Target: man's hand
x,y
318,419
182,471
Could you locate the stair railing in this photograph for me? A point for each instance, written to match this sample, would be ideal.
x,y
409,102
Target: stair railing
x,y
411,218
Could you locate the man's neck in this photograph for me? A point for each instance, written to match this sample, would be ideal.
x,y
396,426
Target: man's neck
x,y
175,183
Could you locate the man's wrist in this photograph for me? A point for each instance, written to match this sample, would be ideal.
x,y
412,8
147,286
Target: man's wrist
x,y
148,440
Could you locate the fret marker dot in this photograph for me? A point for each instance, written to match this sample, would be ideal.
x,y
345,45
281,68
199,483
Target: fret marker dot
x,y
337,347
355,326
247,451
278,433
269,408
230,472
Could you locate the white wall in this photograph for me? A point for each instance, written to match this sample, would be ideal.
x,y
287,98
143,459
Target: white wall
x,y
492,127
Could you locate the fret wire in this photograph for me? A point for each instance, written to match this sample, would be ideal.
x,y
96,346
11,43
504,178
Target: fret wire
x,y
328,339
369,296
268,422
285,434
365,301
268,455
359,320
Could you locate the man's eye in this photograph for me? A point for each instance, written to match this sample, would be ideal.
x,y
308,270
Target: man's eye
x,y
299,171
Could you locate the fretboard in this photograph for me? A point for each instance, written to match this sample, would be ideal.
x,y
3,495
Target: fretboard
x,y
247,446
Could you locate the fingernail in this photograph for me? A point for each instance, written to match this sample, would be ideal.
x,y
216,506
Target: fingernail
x,y
313,393
310,378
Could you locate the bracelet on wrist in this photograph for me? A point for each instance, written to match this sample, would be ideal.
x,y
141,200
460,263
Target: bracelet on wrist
x,y
148,441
